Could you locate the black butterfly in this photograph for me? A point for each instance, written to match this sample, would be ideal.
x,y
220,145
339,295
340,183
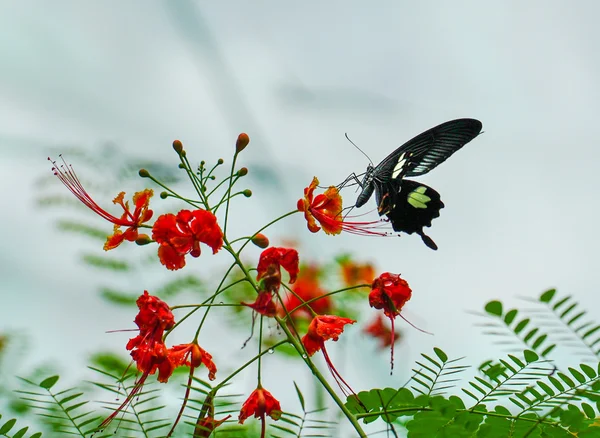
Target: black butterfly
x,y
410,205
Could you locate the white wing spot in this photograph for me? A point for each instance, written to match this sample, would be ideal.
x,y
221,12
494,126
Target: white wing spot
x,y
399,166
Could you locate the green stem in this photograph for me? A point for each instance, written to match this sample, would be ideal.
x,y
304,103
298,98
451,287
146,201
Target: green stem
x,y
289,213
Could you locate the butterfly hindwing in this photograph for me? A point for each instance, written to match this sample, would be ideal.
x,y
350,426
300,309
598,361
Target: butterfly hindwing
x,y
409,206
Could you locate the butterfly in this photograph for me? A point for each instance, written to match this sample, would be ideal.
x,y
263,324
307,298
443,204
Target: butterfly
x,y
410,205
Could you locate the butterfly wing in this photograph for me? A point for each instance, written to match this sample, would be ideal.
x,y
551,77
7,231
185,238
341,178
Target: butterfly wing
x,y
428,149
409,206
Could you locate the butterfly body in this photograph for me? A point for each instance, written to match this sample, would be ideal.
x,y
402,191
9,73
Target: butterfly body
x,y
407,204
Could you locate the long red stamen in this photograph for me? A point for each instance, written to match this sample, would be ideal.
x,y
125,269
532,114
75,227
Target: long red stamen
x,y
68,177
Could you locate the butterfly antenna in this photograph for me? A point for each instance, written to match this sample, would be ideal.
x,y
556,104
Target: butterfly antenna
x,y
353,144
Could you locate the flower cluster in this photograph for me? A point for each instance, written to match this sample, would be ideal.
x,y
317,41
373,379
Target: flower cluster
x,y
301,307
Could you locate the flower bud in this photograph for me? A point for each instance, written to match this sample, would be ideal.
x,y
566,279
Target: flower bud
x,y
247,193
243,171
220,161
164,195
178,146
260,240
144,173
143,239
242,142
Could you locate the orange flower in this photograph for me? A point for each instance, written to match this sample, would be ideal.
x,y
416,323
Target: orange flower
x,y
129,219
260,403
354,274
390,292
148,349
270,263
323,328
182,234
326,209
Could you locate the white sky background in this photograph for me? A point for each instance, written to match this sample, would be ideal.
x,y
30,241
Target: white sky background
x,y
521,200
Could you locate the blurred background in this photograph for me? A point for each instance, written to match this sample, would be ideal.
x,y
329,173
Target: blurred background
x,y
112,84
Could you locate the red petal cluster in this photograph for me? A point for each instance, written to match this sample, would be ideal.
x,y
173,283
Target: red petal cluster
x,y
192,355
269,271
181,234
148,350
321,329
390,292
270,263
260,403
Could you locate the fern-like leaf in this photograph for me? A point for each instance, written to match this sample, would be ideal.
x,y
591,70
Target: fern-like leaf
x,y
432,377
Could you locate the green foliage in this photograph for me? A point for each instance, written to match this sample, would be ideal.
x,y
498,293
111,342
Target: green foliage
x,y
510,325
7,429
431,378
66,411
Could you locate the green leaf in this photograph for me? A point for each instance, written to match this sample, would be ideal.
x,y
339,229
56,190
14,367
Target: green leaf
x,y
300,397
556,383
510,316
539,341
546,297
494,308
546,388
530,356
8,426
440,354
521,325
548,350
49,382
566,379
588,370
529,335
589,411
20,433
578,376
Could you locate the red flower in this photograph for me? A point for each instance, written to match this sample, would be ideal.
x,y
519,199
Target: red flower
x,y
131,220
355,274
379,330
321,329
270,263
148,349
326,209
260,403
192,355
182,234
305,289
390,293
264,304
